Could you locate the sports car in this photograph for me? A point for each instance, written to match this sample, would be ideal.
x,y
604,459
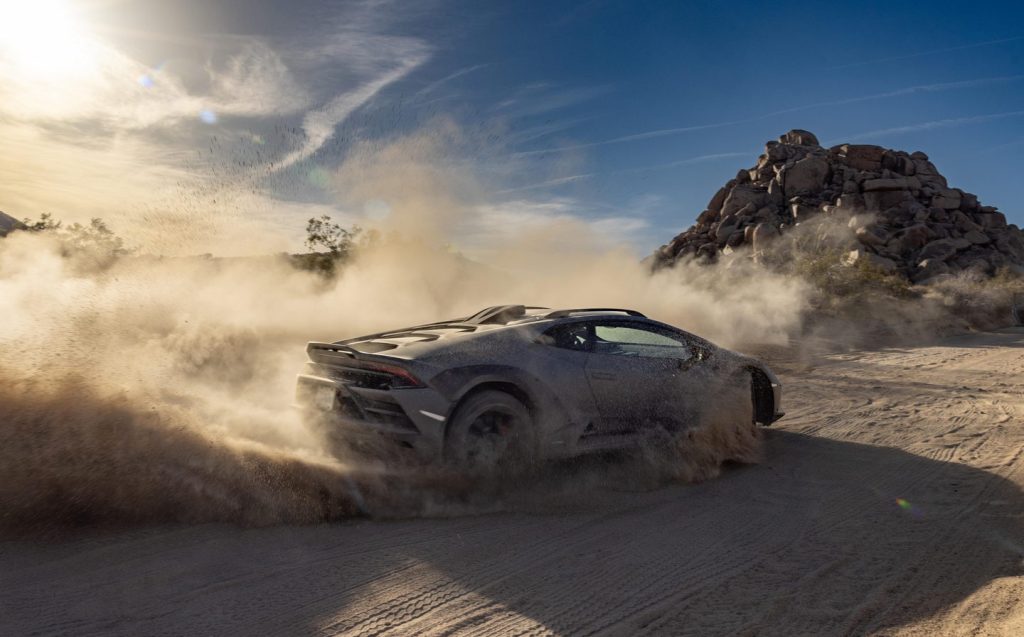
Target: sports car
x,y
539,382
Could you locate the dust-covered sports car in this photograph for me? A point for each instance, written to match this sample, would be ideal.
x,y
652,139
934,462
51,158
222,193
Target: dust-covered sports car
x,y
541,382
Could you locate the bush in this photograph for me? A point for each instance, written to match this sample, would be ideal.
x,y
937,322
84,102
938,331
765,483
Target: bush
x,y
92,245
329,244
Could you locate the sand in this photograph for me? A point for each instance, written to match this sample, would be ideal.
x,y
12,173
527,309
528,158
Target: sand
x,y
889,502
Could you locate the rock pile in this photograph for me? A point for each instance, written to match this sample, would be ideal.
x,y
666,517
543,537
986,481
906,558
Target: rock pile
x,y
901,213
9,224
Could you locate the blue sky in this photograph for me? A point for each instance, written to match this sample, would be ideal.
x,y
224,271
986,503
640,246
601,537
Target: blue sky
x,y
624,114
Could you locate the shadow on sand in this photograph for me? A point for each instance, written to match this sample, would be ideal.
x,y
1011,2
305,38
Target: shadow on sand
x,y
826,537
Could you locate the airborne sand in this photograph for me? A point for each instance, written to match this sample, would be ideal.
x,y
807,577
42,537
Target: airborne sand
x,y
890,502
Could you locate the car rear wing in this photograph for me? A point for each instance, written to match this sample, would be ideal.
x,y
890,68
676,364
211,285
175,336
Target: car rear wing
x,y
330,353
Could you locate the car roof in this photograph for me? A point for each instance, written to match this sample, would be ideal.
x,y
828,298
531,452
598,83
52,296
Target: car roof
x,y
484,321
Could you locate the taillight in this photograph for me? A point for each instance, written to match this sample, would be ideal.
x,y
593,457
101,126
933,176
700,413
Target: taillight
x,y
403,377
369,374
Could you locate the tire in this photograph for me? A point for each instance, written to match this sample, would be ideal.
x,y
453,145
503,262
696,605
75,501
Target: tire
x,y
490,430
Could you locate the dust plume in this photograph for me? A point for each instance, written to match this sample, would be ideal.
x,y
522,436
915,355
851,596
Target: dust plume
x,y
159,389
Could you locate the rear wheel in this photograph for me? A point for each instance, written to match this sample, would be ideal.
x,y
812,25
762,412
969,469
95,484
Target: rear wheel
x,y
490,430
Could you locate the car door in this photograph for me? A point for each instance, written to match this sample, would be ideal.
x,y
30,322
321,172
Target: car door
x,y
561,359
638,375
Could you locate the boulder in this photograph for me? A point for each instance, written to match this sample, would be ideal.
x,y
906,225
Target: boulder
x,y
947,199
806,176
872,235
740,196
715,205
726,227
964,223
899,163
968,202
928,174
799,137
914,237
941,249
861,156
882,200
976,237
763,234
898,183
860,257
991,220
960,243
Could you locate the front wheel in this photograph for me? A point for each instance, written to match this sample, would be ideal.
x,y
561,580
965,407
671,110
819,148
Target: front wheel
x,y
490,430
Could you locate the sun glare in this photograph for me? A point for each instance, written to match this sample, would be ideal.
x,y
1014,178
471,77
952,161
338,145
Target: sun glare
x,y
43,36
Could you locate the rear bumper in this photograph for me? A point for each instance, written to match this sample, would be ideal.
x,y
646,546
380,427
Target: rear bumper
x,y
415,416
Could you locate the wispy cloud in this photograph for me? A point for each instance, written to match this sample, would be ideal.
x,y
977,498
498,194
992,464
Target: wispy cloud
x,y
934,124
540,98
436,84
320,124
666,132
908,56
561,181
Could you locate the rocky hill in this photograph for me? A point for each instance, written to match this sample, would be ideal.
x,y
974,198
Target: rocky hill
x,y
8,224
896,211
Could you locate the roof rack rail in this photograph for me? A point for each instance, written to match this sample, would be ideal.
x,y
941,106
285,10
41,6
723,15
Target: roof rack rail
x,y
579,310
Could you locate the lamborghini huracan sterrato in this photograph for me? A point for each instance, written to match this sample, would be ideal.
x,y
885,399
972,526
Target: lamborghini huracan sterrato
x,y
547,383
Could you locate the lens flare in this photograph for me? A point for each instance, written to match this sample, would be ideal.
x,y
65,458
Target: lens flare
x,y
146,80
319,177
207,116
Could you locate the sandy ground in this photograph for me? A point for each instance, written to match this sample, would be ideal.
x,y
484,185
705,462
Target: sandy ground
x,y
890,503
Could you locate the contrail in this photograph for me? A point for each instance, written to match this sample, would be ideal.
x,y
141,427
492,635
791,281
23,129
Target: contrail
x,y
910,90
929,52
939,123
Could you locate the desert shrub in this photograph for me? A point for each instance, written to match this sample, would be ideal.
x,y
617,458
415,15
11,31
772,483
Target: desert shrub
x,y
826,271
91,246
330,244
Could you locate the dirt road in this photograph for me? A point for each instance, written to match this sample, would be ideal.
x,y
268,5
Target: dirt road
x,y
890,503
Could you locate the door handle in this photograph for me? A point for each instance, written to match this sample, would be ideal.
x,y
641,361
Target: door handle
x,y
602,376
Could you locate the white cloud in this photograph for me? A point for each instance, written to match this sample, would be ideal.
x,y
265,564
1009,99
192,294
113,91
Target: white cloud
x,y
953,122
320,124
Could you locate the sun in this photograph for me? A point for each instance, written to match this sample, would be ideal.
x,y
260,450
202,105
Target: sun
x,y
46,37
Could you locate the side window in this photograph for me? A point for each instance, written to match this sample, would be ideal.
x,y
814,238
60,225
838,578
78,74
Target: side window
x,y
574,336
639,340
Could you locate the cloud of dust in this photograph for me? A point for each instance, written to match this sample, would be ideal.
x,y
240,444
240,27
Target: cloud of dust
x,y
854,307
159,389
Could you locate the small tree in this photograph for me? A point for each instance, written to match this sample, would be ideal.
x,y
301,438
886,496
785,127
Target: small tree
x,y
324,235
46,223
94,244
330,244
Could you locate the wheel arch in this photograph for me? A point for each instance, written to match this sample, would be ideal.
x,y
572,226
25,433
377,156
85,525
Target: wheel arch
x,y
505,386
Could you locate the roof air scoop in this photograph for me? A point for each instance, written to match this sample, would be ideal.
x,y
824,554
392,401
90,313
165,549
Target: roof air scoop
x,y
498,314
